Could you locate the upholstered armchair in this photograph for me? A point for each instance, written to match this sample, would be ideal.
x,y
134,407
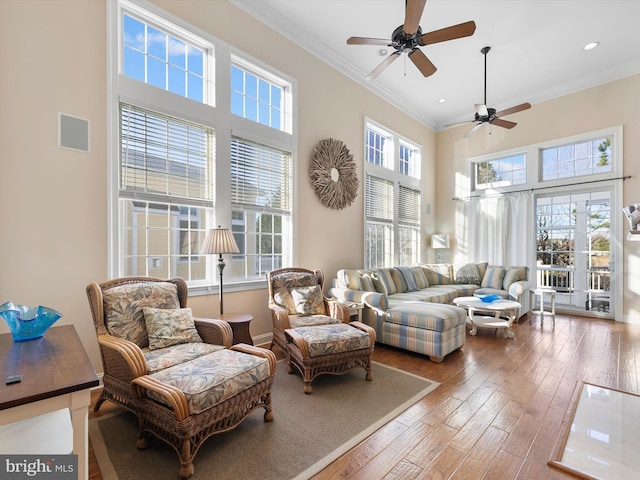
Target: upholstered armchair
x,y
180,375
314,332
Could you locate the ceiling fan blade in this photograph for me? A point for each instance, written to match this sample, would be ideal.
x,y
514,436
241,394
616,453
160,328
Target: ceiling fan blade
x,y
421,61
368,41
461,30
481,109
412,15
474,129
384,64
503,123
517,108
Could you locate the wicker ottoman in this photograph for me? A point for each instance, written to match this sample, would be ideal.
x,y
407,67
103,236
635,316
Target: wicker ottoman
x,y
329,349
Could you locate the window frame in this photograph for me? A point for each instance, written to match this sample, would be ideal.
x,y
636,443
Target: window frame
x,y
215,114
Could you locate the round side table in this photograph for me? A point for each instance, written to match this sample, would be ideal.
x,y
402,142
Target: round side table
x,y
240,325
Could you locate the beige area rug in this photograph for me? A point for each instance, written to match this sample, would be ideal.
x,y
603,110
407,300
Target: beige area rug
x,y
308,431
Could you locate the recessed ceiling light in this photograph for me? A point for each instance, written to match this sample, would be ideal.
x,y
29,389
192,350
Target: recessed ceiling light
x,y
382,52
442,100
590,46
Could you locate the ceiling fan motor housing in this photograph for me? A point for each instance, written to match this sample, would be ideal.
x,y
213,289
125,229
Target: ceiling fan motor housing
x,y
491,116
401,41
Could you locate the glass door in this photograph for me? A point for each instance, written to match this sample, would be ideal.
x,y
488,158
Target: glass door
x,y
573,254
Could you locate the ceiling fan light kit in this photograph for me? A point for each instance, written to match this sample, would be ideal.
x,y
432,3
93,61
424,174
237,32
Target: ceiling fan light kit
x,y
408,37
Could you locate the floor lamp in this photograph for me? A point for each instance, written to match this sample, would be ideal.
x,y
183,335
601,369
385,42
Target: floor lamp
x,y
219,241
438,242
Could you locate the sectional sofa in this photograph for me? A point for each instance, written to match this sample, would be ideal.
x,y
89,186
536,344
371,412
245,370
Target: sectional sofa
x,y
411,307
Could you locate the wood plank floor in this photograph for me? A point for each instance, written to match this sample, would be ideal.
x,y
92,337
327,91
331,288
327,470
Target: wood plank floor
x,y
500,405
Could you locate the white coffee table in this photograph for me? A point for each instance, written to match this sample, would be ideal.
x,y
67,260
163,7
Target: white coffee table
x,y
499,314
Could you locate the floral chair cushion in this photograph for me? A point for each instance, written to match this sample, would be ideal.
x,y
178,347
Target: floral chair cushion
x,y
308,300
123,306
175,355
167,327
337,338
211,379
311,320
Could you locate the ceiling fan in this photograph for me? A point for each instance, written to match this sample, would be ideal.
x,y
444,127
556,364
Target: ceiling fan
x,y
485,114
408,37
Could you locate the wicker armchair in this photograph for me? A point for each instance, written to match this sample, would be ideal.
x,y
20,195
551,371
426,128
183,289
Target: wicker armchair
x,y
283,312
182,392
315,332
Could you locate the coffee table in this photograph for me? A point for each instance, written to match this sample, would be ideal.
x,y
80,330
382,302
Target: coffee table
x,y
499,314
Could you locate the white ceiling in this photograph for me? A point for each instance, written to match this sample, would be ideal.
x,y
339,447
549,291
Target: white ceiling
x,y
536,48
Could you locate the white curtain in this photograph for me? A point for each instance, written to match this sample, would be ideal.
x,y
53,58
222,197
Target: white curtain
x,y
501,229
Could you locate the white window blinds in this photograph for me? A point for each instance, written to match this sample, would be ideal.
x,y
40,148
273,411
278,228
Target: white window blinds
x,y
165,156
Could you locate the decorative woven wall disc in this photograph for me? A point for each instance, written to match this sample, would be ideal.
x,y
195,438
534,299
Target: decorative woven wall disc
x,y
333,174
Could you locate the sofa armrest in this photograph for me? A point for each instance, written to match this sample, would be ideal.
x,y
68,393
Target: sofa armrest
x,y
122,359
378,301
214,331
517,289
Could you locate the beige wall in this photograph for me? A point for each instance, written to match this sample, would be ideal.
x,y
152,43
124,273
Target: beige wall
x,y
607,105
54,201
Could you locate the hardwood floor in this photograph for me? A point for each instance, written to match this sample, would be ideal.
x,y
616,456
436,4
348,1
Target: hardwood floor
x,y
500,405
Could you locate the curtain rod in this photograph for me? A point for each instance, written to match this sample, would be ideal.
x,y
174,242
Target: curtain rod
x,y
470,197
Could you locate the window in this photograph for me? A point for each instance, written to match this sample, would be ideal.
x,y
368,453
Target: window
x,y
577,159
502,172
392,199
177,170
261,179
157,58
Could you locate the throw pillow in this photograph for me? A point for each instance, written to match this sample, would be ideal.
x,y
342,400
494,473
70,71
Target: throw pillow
x,y
513,274
308,300
438,273
421,278
282,285
366,283
468,274
410,280
493,277
167,327
123,308
482,268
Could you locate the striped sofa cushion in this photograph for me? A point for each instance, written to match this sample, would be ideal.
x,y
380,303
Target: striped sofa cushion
x,y
514,274
493,277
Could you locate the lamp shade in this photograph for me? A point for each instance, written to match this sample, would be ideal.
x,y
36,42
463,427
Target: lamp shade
x,y
219,240
439,241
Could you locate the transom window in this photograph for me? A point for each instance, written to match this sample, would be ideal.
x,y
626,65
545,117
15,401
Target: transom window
x,y
158,58
259,96
577,159
501,172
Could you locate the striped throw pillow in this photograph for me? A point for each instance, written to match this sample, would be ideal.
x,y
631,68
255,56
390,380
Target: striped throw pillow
x,y
493,277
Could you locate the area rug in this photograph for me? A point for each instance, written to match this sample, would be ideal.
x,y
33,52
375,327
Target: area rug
x,y
600,435
308,431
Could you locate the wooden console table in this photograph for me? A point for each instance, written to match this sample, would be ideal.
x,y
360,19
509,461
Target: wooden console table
x,y
57,374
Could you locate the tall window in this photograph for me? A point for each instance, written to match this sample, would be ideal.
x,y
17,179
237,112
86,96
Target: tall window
x,y
179,170
392,199
261,179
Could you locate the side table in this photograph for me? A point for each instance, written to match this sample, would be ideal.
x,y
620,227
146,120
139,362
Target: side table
x,y
355,310
240,325
541,292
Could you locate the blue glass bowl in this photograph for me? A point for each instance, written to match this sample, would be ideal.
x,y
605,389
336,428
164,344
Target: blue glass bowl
x,y
28,323
488,298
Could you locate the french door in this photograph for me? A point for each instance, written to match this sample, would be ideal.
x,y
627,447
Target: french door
x,y
573,249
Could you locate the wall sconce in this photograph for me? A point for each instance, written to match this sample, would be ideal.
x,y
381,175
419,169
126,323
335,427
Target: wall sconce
x,y
438,242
